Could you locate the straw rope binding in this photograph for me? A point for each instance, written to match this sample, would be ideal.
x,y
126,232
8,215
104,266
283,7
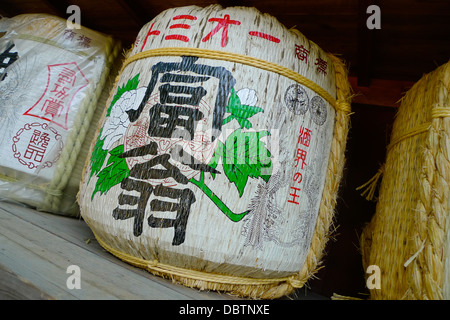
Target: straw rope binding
x,y
243,59
370,186
407,235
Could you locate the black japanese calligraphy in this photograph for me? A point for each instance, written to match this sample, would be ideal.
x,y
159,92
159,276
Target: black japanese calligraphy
x,y
184,94
186,199
7,58
166,119
137,182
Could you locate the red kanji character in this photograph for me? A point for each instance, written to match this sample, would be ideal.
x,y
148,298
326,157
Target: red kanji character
x,y
60,93
180,26
35,136
294,195
43,140
301,155
264,36
304,137
33,148
52,106
150,33
298,176
39,138
223,23
67,76
321,66
35,151
301,53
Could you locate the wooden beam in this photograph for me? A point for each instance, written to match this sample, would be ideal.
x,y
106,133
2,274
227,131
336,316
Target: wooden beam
x,y
380,92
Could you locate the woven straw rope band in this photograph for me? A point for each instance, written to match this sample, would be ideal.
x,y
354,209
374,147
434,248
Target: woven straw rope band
x,y
436,112
243,59
196,275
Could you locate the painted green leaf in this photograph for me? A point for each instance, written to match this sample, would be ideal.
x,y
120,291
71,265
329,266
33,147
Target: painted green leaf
x,y
115,171
243,155
98,156
239,111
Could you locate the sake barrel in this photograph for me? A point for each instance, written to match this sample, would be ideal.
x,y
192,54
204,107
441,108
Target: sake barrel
x,y
407,239
219,157
51,77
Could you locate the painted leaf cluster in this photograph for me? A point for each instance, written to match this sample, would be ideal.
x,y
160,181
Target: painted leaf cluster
x,y
115,171
244,156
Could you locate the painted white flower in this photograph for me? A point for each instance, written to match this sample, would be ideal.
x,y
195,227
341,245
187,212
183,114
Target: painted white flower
x,y
247,96
117,123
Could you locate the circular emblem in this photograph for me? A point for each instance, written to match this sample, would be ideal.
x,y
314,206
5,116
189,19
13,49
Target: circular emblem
x,y
32,145
296,99
318,110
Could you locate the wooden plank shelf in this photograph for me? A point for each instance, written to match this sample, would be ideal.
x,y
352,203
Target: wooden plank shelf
x,y
36,248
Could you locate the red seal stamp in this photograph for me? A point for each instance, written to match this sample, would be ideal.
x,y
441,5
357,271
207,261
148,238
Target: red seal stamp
x,y
35,143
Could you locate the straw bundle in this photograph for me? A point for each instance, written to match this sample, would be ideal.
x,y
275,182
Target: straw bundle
x,y
408,235
51,78
218,161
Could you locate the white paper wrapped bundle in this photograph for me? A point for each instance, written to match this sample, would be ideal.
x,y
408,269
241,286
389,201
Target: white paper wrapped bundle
x,y
218,160
51,78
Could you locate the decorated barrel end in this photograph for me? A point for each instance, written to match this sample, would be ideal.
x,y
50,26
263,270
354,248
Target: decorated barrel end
x,y
218,160
406,243
51,77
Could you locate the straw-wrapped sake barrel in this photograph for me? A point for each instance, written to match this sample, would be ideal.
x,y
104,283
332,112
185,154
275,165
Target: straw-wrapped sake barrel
x,y
51,77
408,238
219,157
